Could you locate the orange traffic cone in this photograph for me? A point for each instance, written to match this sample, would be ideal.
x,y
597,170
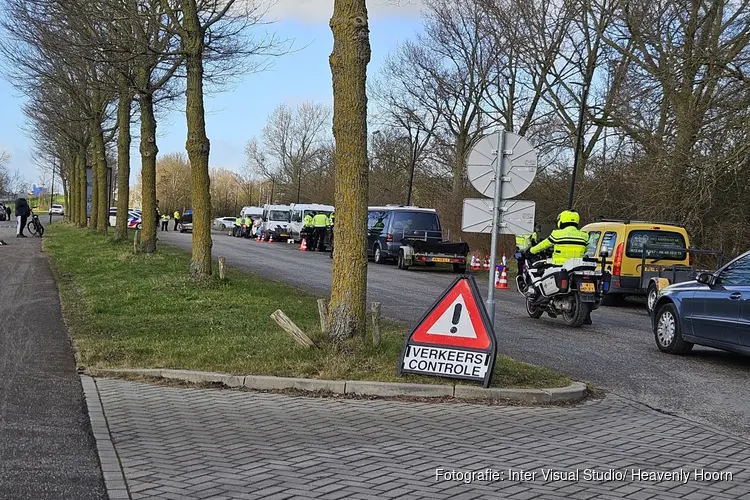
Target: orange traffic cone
x,y
474,263
270,238
501,283
303,244
486,265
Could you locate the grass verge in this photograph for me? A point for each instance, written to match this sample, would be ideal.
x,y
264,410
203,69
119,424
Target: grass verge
x,y
127,310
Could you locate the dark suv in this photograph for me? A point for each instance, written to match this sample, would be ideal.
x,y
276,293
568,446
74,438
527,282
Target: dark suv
x,y
388,225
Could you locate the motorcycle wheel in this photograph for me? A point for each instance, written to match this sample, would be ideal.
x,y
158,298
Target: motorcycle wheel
x,y
533,311
577,316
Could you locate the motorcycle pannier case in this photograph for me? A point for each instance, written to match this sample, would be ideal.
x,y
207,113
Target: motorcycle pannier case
x,y
554,283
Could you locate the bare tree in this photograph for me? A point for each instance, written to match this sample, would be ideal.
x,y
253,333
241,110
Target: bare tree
x,y
292,139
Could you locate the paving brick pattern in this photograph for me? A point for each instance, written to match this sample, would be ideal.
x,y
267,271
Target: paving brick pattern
x,y
177,443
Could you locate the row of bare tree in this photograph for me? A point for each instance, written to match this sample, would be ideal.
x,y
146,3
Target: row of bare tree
x,y
84,66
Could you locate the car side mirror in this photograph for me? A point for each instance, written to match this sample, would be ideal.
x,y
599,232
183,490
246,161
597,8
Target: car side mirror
x,y
704,278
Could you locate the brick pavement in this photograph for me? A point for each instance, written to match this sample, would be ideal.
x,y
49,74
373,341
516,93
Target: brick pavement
x,y
177,443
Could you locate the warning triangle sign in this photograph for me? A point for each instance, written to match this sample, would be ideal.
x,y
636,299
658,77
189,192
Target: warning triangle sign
x,y
455,320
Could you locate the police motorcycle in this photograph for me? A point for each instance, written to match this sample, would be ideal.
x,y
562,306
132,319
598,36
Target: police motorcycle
x,y
572,290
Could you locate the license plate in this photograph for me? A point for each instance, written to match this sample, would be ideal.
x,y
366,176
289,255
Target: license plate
x,y
588,287
440,259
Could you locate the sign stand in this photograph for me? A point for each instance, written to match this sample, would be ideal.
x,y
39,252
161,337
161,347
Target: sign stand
x,y
454,338
497,219
493,175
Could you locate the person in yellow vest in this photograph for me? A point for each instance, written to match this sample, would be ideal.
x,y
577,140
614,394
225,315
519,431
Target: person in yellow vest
x,y
165,222
307,229
237,228
320,224
176,219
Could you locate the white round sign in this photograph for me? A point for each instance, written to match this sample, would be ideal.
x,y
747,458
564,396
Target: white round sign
x,y
519,166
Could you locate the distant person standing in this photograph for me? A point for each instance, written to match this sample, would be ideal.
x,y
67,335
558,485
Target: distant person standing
x,y
8,211
176,219
165,222
22,214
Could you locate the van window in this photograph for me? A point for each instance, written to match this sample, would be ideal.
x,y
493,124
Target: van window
x,y
297,216
666,239
608,242
279,216
593,241
374,217
415,221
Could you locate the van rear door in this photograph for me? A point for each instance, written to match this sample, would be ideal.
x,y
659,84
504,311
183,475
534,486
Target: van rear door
x,y
663,246
418,225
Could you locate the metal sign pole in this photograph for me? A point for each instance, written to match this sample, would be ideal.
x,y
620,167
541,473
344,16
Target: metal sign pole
x,y
496,219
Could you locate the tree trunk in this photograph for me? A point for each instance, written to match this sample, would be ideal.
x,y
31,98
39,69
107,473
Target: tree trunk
x,y
348,61
123,161
459,162
100,206
148,172
94,216
82,195
72,211
66,196
197,145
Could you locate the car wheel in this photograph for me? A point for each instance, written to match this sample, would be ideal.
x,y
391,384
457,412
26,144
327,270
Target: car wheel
x,y
378,255
139,226
651,297
668,331
459,268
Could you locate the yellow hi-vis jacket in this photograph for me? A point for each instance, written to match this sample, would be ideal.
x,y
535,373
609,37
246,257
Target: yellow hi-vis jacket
x,y
176,214
320,220
523,241
568,243
308,220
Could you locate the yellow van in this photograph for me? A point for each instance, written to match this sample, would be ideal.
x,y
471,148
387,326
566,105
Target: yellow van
x,y
624,240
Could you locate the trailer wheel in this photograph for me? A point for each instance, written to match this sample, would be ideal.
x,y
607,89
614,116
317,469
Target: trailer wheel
x,y
401,261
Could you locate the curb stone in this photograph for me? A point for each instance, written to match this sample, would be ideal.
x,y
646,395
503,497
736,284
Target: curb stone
x,y
114,480
575,392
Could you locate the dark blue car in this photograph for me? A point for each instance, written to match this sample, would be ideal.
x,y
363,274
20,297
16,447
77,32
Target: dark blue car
x,y
712,311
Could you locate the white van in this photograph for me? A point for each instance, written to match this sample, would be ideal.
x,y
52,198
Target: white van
x,y
299,211
276,220
251,211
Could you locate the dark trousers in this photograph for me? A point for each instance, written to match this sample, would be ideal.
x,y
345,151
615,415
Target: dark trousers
x,y
165,225
175,224
22,224
319,237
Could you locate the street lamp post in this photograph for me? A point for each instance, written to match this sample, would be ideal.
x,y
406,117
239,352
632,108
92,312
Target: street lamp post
x,y
579,143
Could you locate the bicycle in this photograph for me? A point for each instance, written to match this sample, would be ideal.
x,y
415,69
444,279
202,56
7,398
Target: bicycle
x,y
35,226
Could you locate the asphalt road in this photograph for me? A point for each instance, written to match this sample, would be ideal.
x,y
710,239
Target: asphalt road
x,y
617,353
47,449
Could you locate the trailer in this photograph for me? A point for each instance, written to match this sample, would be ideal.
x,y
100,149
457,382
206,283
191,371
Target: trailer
x,y
429,253
655,277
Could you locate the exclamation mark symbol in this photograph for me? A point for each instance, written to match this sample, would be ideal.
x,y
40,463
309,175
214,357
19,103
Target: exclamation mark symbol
x,y
456,316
